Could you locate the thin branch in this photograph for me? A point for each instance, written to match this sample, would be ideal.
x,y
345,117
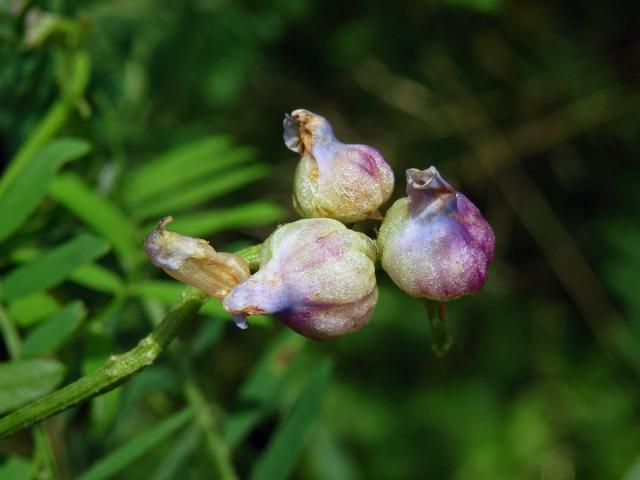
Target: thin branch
x,y
114,372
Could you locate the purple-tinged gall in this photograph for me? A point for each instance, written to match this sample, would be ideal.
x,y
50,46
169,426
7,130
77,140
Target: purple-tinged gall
x,y
435,244
316,276
194,262
334,180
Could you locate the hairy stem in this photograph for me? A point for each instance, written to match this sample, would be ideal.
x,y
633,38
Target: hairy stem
x,y
114,372
441,339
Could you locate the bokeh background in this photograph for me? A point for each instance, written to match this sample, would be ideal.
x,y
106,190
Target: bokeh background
x,y
531,108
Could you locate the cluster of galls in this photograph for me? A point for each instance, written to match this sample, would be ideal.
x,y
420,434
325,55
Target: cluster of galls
x,y
316,275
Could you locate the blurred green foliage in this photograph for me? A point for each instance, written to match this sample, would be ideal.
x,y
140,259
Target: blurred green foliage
x,y
114,114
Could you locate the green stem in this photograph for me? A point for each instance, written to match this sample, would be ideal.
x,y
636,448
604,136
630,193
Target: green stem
x,y
114,372
441,340
44,452
251,255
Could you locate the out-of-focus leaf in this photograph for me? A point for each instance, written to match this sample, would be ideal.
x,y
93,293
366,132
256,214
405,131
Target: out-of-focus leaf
x,y
178,456
486,6
270,372
52,334
27,189
328,460
115,462
25,380
200,192
53,266
184,164
97,278
167,292
281,455
98,213
262,390
624,236
212,221
31,309
208,336
15,468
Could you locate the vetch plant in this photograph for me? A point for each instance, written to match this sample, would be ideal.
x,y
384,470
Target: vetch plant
x,y
316,275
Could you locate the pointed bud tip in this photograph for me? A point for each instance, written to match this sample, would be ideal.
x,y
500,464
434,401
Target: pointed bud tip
x,y
429,179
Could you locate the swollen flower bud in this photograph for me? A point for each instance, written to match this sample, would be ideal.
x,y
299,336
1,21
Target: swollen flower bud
x,y
195,262
335,180
316,276
435,244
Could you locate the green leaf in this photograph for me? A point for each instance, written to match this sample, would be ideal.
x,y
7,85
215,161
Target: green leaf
x,y
200,192
25,380
15,468
212,221
176,459
52,334
263,388
100,214
270,372
31,309
281,455
184,164
97,278
116,461
26,191
53,266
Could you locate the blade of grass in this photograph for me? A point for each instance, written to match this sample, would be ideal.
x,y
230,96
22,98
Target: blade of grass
x,y
171,171
173,463
33,308
15,468
97,278
52,334
24,380
116,461
262,390
251,214
26,191
100,214
281,455
53,266
200,192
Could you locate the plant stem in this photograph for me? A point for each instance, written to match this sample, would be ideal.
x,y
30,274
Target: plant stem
x,y
442,341
44,452
251,255
114,372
